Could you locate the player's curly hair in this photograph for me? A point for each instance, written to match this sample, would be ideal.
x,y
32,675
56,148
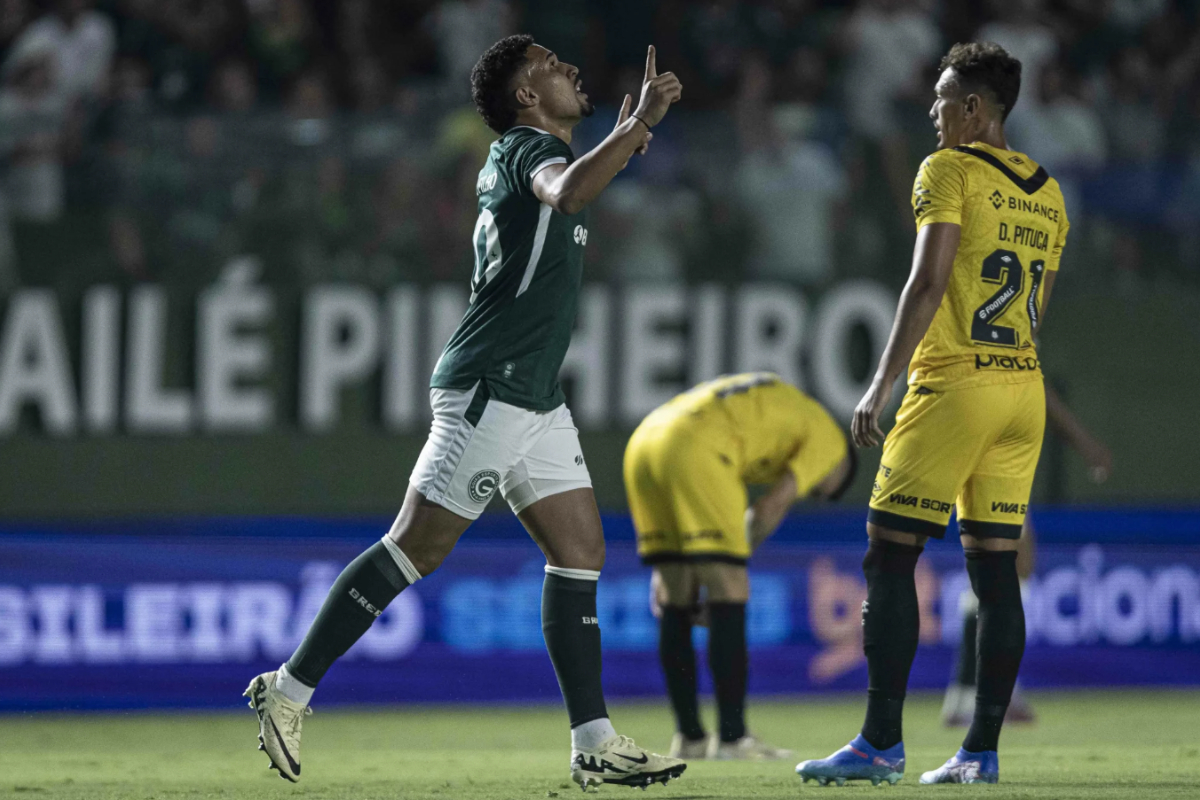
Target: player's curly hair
x,y
987,66
491,79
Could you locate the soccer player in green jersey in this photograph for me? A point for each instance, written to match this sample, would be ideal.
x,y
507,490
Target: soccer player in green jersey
x,y
499,418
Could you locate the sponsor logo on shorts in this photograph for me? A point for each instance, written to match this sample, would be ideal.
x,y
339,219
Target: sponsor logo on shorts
x,y
483,485
940,506
1001,507
1026,364
579,461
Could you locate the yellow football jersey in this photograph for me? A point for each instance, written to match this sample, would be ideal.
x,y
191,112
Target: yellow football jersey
x,y
767,425
1014,226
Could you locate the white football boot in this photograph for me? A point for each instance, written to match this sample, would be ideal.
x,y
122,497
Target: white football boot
x,y
747,748
279,721
688,749
618,760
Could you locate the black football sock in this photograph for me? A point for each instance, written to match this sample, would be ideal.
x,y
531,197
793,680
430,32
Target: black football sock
x,y
727,658
573,641
891,627
1001,642
678,658
964,674
359,595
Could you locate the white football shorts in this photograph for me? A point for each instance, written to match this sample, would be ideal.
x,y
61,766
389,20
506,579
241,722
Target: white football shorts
x,y
477,445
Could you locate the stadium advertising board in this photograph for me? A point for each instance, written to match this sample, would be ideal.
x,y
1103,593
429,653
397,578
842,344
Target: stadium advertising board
x,y
258,358
183,614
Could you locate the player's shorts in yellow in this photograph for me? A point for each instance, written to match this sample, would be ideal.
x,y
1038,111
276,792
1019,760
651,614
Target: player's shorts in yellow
x,y
686,494
977,447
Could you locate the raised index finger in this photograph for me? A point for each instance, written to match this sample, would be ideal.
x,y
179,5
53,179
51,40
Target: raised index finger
x,y
651,69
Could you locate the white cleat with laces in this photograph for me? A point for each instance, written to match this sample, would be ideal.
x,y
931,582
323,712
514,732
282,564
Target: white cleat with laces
x,y
618,760
279,721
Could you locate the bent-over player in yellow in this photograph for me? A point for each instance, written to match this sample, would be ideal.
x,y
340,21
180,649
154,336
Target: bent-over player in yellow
x,y
990,232
687,467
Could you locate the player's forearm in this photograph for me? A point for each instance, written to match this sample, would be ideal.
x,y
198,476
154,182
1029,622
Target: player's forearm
x,y
584,180
768,512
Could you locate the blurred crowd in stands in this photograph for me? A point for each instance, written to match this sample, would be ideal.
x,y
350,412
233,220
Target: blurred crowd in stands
x,y
334,139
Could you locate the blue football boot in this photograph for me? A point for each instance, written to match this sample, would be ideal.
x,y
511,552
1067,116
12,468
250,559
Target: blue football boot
x,y
967,767
857,761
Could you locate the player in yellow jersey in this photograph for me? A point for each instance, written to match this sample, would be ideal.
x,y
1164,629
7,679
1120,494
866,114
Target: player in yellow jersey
x,y
687,467
990,232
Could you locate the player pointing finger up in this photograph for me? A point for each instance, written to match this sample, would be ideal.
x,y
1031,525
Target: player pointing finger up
x,y
658,92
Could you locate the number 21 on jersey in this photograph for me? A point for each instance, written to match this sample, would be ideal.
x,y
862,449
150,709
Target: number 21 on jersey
x,y
1004,267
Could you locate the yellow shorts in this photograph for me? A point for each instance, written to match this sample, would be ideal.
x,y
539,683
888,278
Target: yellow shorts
x,y
977,447
686,495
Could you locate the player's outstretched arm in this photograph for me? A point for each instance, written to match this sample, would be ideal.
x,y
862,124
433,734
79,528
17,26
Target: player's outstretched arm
x,y
569,189
933,259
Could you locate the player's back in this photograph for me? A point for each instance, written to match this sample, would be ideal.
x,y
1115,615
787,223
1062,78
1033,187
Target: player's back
x,y
1013,227
763,418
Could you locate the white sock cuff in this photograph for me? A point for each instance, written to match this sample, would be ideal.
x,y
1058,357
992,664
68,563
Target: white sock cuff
x,y
576,574
406,567
291,687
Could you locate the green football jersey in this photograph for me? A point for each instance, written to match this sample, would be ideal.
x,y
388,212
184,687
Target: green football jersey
x,y
525,286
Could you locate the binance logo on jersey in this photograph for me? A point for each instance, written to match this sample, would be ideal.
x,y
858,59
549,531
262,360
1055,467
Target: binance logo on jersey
x,y
997,199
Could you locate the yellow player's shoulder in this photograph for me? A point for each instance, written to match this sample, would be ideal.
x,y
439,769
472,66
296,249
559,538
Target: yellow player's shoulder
x,y
944,163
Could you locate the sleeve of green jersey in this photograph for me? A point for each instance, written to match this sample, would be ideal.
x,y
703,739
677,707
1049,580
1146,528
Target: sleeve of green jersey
x,y
535,154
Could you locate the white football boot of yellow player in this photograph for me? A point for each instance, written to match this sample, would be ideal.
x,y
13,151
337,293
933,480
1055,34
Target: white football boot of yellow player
x,y
747,748
688,749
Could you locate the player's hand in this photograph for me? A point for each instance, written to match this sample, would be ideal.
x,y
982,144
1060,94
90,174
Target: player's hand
x,y
1098,458
657,594
658,92
864,428
647,136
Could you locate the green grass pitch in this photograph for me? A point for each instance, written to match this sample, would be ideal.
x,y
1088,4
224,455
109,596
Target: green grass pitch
x,y
1086,745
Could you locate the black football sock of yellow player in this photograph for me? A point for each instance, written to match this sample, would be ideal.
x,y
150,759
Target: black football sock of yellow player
x,y
891,627
359,595
572,635
727,658
678,658
964,673
1001,642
